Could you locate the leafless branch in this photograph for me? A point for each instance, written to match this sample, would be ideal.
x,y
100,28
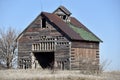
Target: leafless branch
x,y
8,46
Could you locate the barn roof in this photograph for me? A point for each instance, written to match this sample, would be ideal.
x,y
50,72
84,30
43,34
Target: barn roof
x,y
74,29
83,31
66,11
62,25
86,35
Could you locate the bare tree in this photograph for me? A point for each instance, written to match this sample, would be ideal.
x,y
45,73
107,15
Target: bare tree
x,y
8,46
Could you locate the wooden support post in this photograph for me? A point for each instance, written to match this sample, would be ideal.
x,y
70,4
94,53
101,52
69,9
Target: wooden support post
x,y
50,45
45,45
41,45
32,47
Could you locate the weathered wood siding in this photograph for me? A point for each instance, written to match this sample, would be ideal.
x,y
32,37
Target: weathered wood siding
x,y
57,40
62,55
85,55
35,34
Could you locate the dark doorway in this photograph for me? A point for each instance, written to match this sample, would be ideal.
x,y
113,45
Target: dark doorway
x,y
45,59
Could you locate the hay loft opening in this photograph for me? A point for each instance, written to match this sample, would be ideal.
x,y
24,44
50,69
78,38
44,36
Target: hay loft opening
x,y
45,59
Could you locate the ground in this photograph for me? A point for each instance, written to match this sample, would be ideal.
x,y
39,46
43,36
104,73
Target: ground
x,y
31,74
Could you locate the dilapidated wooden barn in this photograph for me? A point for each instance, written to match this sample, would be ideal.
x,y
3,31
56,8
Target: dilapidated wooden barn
x,y
58,40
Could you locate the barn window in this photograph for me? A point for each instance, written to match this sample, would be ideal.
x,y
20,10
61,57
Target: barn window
x,y
43,23
64,17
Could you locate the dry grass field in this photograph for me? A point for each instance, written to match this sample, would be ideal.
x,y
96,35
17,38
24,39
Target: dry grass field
x,y
31,74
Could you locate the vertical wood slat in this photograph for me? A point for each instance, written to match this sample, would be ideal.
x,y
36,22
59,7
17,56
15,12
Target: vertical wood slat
x,y
81,54
43,46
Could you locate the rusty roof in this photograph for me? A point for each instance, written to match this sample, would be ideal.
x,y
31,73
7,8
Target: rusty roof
x,y
66,11
62,26
75,30
78,24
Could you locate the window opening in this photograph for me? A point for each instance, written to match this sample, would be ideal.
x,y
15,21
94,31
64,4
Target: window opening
x,y
64,17
43,23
